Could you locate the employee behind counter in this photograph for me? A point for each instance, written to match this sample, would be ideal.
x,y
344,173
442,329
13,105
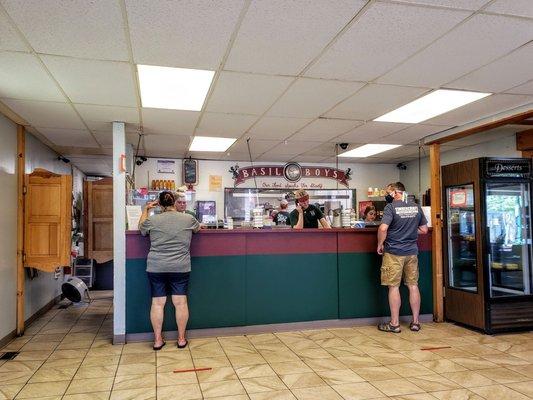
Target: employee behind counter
x,y
306,215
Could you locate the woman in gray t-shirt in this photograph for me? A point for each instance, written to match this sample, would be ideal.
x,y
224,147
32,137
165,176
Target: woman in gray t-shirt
x,y
169,263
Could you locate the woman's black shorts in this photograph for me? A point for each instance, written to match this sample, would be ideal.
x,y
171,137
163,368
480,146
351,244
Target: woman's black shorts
x,y
163,284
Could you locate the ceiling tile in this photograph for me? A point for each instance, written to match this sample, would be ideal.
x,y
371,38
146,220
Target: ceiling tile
x,y
282,37
277,127
505,73
94,82
105,139
101,117
46,114
22,76
309,98
413,133
371,132
375,100
92,165
485,107
188,33
325,129
487,136
76,28
69,137
274,157
246,93
9,37
472,5
522,8
169,122
235,156
166,146
257,146
462,50
383,37
224,125
526,88
293,147
324,150
305,158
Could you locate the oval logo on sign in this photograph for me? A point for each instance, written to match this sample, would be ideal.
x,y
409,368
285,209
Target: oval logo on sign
x,y
292,172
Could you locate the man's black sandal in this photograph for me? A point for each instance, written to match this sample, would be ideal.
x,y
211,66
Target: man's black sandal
x,y
388,327
182,346
156,348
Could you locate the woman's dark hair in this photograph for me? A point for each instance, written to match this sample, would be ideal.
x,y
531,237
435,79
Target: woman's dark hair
x,y
368,209
166,199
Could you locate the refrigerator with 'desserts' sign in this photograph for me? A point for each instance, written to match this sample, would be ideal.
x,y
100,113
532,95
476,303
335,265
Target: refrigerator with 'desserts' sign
x,y
487,248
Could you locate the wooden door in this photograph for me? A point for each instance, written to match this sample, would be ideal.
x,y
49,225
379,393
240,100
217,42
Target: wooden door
x,y
99,209
47,220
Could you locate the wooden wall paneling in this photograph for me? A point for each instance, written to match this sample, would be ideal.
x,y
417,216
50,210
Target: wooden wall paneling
x,y
47,216
436,221
21,165
524,140
99,197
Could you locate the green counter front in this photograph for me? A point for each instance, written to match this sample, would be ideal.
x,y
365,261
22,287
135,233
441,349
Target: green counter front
x,y
257,277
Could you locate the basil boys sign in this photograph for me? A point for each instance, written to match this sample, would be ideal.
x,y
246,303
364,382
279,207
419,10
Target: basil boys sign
x,y
291,172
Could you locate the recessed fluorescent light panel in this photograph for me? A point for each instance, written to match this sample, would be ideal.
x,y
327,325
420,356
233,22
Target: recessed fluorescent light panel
x,y
369,150
436,103
204,143
173,88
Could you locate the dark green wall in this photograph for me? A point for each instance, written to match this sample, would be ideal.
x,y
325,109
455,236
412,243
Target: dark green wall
x,y
263,289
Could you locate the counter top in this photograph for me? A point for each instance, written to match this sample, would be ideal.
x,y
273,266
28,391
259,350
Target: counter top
x,y
372,230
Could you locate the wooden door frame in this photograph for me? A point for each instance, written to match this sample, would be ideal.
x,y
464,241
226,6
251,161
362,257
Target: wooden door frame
x,y
21,166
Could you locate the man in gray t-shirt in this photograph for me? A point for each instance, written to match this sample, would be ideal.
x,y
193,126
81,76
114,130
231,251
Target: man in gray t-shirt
x,y
397,241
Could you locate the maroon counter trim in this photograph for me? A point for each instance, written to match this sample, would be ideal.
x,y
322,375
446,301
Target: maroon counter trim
x,y
269,242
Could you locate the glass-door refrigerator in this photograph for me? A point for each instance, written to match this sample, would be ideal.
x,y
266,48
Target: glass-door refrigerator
x,y
487,247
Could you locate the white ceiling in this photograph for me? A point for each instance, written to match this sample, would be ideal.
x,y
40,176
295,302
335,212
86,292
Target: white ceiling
x,y
296,77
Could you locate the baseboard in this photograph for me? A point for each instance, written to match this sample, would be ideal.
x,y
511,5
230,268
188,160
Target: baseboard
x,y
269,328
47,307
119,339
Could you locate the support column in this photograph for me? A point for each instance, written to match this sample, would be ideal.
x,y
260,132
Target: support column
x,y
21,169
119,233
436,221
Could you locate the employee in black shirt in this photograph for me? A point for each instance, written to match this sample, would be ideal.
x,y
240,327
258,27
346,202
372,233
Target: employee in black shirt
x,y
282,216
306,215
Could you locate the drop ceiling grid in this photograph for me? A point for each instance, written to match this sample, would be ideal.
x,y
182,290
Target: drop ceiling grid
x,y
174,125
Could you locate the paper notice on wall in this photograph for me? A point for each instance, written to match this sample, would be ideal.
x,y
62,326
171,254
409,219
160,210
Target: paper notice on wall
x,y
427,214
166,166
215,183
133,214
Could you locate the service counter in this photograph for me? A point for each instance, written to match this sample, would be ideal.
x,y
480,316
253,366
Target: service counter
x,y
256,277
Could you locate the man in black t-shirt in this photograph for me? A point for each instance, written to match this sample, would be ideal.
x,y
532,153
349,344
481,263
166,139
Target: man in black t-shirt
x,y
398,233
306,215
282,217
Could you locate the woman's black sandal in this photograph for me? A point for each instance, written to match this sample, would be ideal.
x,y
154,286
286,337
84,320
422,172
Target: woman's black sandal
x,y
157,348
388,327
182,346
415,327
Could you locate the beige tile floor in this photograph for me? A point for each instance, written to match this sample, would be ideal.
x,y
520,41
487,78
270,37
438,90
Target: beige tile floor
x,y
67,354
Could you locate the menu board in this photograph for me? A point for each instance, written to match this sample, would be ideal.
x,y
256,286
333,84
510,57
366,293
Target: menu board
x,y
190,172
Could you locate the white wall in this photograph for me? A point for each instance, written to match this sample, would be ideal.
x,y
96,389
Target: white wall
x,y
8,227
363,176
504,147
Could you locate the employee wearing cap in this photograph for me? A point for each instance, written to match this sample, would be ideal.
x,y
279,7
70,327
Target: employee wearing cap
x,y
282,217
306,215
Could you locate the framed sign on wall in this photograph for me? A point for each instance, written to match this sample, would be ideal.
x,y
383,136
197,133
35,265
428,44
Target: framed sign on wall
x,y
190,171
